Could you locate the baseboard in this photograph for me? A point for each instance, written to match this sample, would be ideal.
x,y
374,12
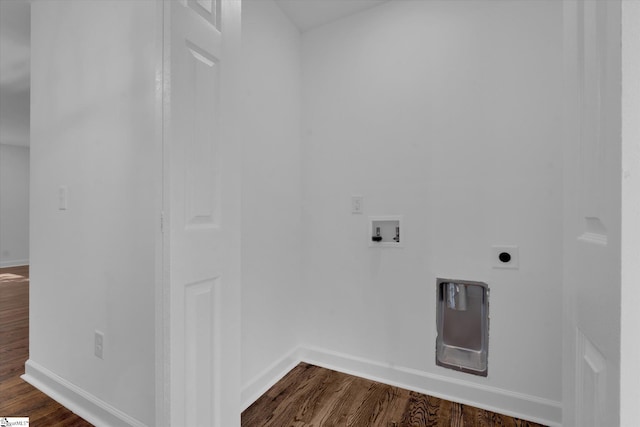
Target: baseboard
x,y
518,405
265,380
14,263
76,399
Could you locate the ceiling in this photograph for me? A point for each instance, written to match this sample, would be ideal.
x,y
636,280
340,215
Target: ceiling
x,y
14,72
308,14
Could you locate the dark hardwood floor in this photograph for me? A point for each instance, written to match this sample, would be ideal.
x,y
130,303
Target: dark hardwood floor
x,y
18,398
314,396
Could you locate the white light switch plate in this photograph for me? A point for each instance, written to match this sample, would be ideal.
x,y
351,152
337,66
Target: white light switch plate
x,y
356,204
63,198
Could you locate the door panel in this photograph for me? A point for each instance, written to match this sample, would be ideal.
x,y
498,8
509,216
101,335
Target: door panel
x,y
592,213
202,210
202,342
591,383
202,97
208,9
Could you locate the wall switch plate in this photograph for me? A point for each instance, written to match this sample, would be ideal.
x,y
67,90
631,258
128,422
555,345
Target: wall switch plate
x,y
505,256
63,198
98,345
357,204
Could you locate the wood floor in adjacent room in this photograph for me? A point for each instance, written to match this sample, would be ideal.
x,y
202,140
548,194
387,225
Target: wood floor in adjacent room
x,y
307,396
18,398
314,396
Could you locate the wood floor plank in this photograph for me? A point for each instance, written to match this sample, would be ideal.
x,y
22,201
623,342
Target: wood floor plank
x,y
423,410
346,402
327,400
313,396
372,410
294,405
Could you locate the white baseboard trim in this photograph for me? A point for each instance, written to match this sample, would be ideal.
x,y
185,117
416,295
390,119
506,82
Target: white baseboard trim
x,y
14,263
518,405
76,399
264,381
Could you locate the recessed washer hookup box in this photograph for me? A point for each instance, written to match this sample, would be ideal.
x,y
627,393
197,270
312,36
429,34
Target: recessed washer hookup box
x,y
463,325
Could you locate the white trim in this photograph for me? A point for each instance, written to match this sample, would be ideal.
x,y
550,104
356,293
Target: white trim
x,y
513,404
265,380
162,349
76,399
630,244
14,263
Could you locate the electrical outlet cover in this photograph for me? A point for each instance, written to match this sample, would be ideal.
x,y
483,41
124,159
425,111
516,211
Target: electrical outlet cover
x,y
98,347
505,256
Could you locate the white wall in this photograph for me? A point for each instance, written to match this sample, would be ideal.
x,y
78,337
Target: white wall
x,y
14,205
450,114
93,93
271,260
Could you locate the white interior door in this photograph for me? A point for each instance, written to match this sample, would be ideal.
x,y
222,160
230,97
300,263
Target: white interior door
x,y
591,332
202,211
